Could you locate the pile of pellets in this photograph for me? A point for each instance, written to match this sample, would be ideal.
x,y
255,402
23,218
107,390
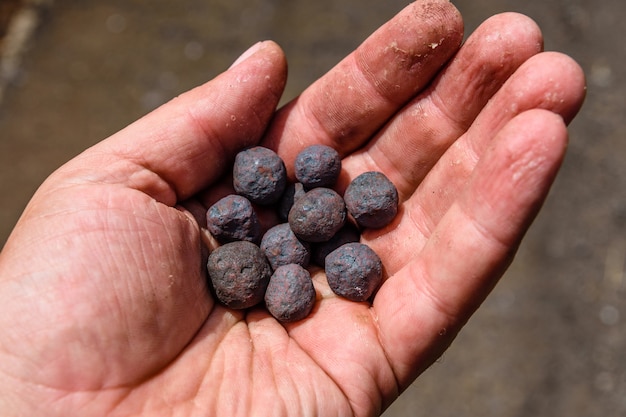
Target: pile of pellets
x,y
319,226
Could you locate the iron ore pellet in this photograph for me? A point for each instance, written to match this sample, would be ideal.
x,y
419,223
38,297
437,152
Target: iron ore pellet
x,y
354,271
290,295
317,166
233,218
372,200
239,274
259,174
282,247
318,215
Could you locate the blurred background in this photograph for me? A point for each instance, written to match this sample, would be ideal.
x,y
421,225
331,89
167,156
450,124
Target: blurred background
x,y
551,339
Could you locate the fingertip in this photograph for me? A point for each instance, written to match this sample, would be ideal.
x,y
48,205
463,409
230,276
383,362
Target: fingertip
x,y
513,27
564,83
264,55
574,77
517,21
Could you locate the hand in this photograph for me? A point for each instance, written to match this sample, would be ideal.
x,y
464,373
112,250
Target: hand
x,y
104,306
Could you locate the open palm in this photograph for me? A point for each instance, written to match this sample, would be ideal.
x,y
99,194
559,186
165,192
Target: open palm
x,y
104,306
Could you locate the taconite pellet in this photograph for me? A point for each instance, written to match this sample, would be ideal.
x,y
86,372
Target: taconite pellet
x,y
290,295
354,271
317,166
282,247
372,200
318,215
233,218
293,191
347,234
239,274
259,174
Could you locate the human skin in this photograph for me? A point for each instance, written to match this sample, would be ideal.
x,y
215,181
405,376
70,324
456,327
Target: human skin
x,y
104,306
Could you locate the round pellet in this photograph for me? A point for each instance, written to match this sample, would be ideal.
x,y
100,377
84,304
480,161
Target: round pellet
x,y
354,271
317,166
317,215
233,218
290,295
372,200
260,175
239,274
282,247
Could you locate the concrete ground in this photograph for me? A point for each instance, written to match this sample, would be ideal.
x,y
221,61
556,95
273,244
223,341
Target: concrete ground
x,y
548,341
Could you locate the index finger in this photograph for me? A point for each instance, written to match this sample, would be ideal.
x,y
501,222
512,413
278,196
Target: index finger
x,y
344,108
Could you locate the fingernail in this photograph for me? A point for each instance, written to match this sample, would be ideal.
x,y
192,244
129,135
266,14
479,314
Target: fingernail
x,y
247,54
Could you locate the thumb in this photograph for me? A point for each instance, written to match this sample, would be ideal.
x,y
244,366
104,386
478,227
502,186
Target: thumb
x,y
186,144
